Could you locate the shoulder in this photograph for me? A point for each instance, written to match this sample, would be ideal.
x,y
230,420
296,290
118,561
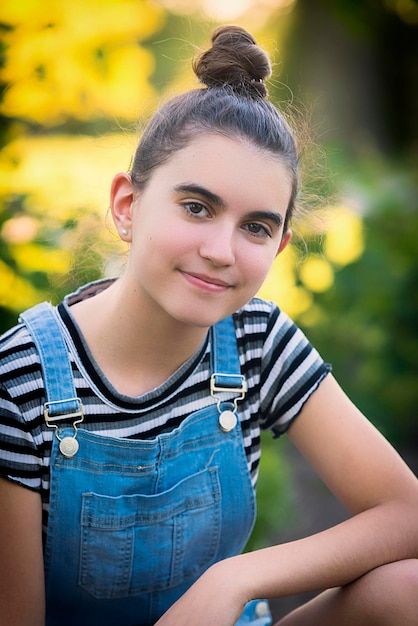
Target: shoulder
x,y
263,322
16,348
21,400
268,338
20,367
259,316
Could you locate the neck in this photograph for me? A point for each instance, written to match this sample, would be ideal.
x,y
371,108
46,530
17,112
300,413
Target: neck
x,y
136,348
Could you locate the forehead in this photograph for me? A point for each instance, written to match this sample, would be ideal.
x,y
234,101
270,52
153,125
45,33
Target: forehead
x,y
230,167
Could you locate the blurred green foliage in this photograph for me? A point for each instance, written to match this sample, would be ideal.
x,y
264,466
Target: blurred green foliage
x,y
367,321
274,506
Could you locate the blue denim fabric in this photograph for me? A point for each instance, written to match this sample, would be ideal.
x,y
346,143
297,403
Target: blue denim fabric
x,y
256,613
133,523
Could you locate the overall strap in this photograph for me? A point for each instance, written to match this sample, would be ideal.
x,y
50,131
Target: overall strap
x,y
225,365
62,403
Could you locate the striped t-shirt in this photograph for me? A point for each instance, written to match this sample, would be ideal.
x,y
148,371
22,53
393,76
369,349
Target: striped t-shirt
x,y
280,366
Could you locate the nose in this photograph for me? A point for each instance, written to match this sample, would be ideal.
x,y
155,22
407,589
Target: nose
x,y
218,246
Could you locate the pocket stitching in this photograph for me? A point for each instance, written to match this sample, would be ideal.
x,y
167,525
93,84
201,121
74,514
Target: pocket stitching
x,y
122,582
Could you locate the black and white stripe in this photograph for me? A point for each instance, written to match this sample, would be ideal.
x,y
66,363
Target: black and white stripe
x,y
281,368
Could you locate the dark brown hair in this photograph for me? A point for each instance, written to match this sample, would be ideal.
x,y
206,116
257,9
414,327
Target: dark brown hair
x,y
232,102
234,59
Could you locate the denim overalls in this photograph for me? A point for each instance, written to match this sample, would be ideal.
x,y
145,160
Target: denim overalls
x,y
133,523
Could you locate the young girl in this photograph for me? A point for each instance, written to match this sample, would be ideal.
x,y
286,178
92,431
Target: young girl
x,y
131,413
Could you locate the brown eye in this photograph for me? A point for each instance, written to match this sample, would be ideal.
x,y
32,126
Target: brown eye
x,y
196,209
257,230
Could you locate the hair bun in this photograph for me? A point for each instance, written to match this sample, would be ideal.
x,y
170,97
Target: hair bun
x,y
234,59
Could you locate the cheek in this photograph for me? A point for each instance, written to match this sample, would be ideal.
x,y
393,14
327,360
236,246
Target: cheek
x,y
257,264
150,230
167,241
180,236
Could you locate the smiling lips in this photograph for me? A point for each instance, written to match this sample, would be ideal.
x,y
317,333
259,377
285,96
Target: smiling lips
x,y
207,283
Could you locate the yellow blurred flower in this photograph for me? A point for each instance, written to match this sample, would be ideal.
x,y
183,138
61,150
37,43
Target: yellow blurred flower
x,y
77,59
126,91
344,242
16,293
32,257
316,273
63,174
280,285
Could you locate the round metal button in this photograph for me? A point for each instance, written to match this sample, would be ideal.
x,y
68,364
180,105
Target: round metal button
x,y
262,609
69,447
227,421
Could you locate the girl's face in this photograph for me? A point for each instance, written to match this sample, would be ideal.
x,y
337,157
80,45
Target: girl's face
x,y
206,229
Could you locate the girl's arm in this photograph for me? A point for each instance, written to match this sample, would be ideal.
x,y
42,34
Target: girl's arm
x,y
21,559
366,475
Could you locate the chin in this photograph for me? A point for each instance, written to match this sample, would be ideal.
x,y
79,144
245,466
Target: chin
x,y
203,319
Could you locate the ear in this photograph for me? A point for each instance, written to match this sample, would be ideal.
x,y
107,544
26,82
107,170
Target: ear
x,y
287,236
121,203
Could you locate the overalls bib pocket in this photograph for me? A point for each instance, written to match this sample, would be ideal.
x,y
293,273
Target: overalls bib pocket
x,y
141,543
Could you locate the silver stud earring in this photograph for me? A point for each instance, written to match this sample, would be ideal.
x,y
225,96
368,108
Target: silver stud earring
x,y
124,232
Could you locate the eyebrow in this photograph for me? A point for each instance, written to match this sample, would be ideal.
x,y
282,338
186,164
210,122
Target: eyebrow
x,y
201,191
213,198
276,218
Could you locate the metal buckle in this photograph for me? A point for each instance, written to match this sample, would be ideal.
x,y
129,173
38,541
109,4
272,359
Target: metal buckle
x,y
49,419
240,388
227,416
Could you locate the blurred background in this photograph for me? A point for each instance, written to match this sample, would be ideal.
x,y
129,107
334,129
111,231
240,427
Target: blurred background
x,y
78,80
